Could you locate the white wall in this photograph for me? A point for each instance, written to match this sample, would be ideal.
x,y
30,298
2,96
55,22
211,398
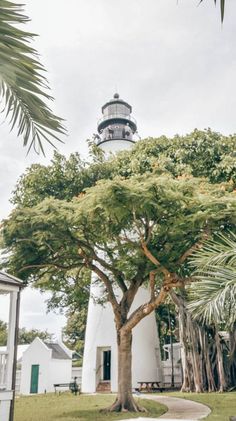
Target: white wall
x,y
50,370
116,146
68,373
77,372
167,373
100,332
37,353
59,372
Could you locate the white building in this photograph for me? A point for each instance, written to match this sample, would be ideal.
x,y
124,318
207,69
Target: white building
x,y
171,366
116,129
42,365
10,287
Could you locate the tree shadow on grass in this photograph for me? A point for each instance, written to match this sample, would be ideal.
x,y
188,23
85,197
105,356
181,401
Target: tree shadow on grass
x,y
154,410
96,415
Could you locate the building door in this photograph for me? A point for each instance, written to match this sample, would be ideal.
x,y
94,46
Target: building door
x,y
34,378
106,365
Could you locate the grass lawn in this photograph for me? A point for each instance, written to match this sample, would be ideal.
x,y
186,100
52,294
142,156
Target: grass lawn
x,y
222,404
67,407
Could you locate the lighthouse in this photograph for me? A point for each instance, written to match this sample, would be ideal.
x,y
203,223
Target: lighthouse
x,y
116,128
116,131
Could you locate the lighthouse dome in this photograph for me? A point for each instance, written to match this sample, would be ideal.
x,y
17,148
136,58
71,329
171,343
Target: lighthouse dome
x,y
116,123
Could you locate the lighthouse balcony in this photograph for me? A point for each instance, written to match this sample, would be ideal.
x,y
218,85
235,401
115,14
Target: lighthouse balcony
x,y
117,118
116,132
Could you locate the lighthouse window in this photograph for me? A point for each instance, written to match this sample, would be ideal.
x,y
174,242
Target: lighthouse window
x,y
116,109
122,109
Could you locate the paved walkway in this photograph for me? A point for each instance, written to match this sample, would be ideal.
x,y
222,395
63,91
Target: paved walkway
x,y
178,409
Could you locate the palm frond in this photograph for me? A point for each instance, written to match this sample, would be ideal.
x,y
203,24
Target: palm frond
x,y
23,87
222,8
213,296
221,251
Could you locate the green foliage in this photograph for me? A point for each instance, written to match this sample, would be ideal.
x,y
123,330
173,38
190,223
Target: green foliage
x,y
166,323
62,179
74,331
25,336
44,241
200,154
3,333
214,295
23,88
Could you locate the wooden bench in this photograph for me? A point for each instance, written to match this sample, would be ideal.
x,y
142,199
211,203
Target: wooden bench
x,y
72,386
150,386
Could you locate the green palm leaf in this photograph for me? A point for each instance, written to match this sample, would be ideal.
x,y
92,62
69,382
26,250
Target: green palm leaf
x,y
23,87
213,296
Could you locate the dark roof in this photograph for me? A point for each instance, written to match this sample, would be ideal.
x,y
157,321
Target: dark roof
x,y
5,278
58,352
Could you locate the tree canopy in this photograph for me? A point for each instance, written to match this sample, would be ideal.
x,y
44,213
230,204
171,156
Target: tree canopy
x,y
181,209
200,154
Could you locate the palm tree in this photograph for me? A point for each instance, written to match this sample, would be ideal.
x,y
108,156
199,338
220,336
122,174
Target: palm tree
x,y
213,297
23,87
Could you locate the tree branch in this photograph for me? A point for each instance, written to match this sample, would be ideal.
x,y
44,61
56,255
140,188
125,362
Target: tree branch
x,y
111,295
135,283
152,276
47,265
154,260
144,310
93,256
194,247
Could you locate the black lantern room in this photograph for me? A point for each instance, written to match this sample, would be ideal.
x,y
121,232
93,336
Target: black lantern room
x,y
116,122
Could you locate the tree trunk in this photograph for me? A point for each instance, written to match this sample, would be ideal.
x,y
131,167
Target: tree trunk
x,y
209,380
220,364
125,401
194,354
232,356
182,337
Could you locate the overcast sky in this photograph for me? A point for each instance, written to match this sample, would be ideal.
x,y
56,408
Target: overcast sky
x,y
171,60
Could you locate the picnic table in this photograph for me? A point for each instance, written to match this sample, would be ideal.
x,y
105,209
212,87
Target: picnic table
x,y
150,386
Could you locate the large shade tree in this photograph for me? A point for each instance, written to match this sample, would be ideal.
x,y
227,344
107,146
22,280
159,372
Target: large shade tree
x,y
24,90
143,227
200,153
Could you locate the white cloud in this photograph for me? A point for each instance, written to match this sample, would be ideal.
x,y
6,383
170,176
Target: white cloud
x,y
33,312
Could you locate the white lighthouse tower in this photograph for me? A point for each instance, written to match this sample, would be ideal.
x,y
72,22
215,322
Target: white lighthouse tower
x,y
116,129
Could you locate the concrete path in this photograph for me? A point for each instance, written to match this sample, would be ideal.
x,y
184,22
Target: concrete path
x,y
178,409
